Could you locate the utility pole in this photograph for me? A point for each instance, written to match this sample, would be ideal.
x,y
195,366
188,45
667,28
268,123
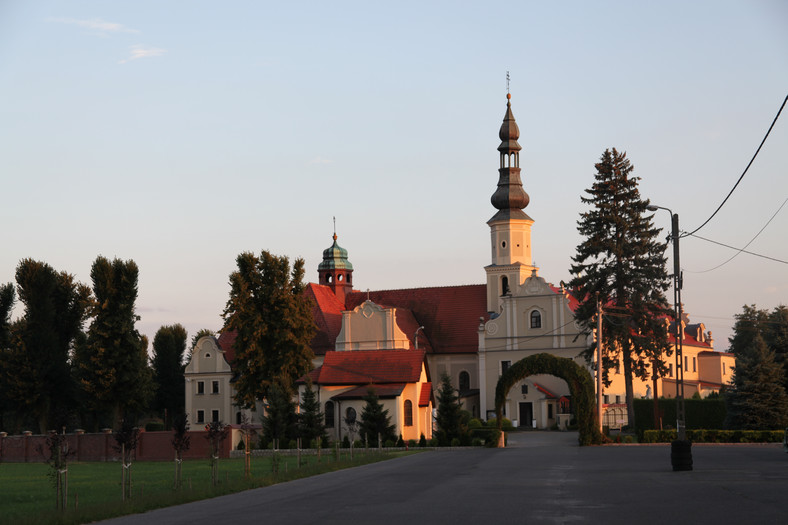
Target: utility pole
x,y
681,449
599,360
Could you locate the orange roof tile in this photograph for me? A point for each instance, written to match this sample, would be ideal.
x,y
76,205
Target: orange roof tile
x,y
369,367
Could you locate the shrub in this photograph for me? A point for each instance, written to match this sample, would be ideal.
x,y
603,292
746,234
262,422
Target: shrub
x,y
240,445
400,442
477,442
506,424
422,441
390,443
433,442
455,442
475,423
715,436
412,443
345,442
154,426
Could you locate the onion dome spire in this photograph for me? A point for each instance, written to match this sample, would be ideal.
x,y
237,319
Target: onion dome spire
x,y
335,270
509,198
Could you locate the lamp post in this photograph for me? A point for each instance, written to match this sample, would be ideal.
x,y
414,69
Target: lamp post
x,y
416,336
681,449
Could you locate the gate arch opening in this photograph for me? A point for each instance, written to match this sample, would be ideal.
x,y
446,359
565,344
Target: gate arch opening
x,y
581,387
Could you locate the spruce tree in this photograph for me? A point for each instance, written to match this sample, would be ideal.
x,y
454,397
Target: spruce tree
x,y
777,338
449,418
280,420
310,419
273,323
622,260
757,400
375,420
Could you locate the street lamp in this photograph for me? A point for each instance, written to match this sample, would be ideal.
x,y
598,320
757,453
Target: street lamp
x,y
681,449
416,336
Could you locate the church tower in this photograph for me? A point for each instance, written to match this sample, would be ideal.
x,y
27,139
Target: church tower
x,y
336,271
510,227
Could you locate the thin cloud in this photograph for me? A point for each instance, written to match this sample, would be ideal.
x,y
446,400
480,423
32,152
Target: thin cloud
x,y
101,27
139,51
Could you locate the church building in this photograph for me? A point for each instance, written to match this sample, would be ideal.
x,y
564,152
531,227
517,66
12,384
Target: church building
x,y
400,342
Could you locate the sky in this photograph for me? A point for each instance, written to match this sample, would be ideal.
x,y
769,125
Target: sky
x,y
182,133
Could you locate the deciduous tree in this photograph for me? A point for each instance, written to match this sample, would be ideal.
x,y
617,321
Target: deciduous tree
x,y
114,369
622,260
273,323
169,347
38,377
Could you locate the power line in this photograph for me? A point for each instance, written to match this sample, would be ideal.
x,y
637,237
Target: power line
x,y
743,173
745,246
743,251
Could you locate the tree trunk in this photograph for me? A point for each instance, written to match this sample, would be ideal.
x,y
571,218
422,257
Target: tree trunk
x,y
627,358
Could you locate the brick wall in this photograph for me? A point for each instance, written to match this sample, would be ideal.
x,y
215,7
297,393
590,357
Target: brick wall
x,y
152,446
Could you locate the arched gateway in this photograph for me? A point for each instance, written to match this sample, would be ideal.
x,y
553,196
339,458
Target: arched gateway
x,y
581,387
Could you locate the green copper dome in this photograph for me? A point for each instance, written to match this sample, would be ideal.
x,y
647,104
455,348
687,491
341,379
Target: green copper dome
x,y
335,258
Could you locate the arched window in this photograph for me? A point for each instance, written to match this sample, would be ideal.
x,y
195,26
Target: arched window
x,y
536,319
408,413
329,414
350,415
504,285
238,418
465,381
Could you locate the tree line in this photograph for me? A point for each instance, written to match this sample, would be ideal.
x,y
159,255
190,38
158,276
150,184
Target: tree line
x,y
55,373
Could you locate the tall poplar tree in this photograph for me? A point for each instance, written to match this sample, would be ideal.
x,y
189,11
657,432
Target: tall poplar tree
x,y
38,380
169,348
7,299
622,260
113,363
272,319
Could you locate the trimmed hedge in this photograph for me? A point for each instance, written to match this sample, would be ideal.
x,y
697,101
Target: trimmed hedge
x,y
716,436
580,384
699,413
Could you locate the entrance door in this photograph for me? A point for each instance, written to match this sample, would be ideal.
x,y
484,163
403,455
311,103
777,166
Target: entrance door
x,y
526,414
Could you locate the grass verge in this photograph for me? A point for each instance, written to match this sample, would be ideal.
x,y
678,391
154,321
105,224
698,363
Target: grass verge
x,y
94,493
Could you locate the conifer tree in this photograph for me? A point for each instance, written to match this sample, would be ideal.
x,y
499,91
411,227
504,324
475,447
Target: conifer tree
x,y
113,362
757,400
776,338
310,420
280,420
449,418
621,259
273,323
375,420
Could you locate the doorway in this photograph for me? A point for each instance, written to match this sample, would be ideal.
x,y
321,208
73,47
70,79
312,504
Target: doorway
x,y
526,414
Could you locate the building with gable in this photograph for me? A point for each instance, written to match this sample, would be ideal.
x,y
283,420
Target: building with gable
x,y
400,341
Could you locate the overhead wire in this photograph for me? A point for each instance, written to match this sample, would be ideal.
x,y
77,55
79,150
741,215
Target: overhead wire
x,y
742,250
743,173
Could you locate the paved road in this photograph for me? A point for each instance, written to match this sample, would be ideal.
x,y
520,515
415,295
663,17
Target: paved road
x,y
543,477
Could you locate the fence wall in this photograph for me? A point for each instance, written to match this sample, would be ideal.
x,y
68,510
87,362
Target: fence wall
x,y
152,446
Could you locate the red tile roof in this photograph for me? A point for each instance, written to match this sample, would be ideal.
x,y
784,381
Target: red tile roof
x,y
543,390
369,367
450,315
226,341
382,391
425,396
327,313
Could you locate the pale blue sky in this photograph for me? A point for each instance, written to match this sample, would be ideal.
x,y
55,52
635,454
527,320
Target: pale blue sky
x,y
179,134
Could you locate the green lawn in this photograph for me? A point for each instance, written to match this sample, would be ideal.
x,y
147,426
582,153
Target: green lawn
x,y
27,494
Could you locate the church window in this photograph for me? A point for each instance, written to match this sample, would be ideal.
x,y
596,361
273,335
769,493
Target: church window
x,y
328,279
694,365
201,416
503,244
524,389
350,415
465,381
214,387
408,413
238,418
536,319
504,285
505,366
200,388
724,372
215,416
339,277
670,369
349,278
329,414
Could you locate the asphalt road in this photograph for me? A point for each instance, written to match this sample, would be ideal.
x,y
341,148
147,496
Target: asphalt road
x,y
542,477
